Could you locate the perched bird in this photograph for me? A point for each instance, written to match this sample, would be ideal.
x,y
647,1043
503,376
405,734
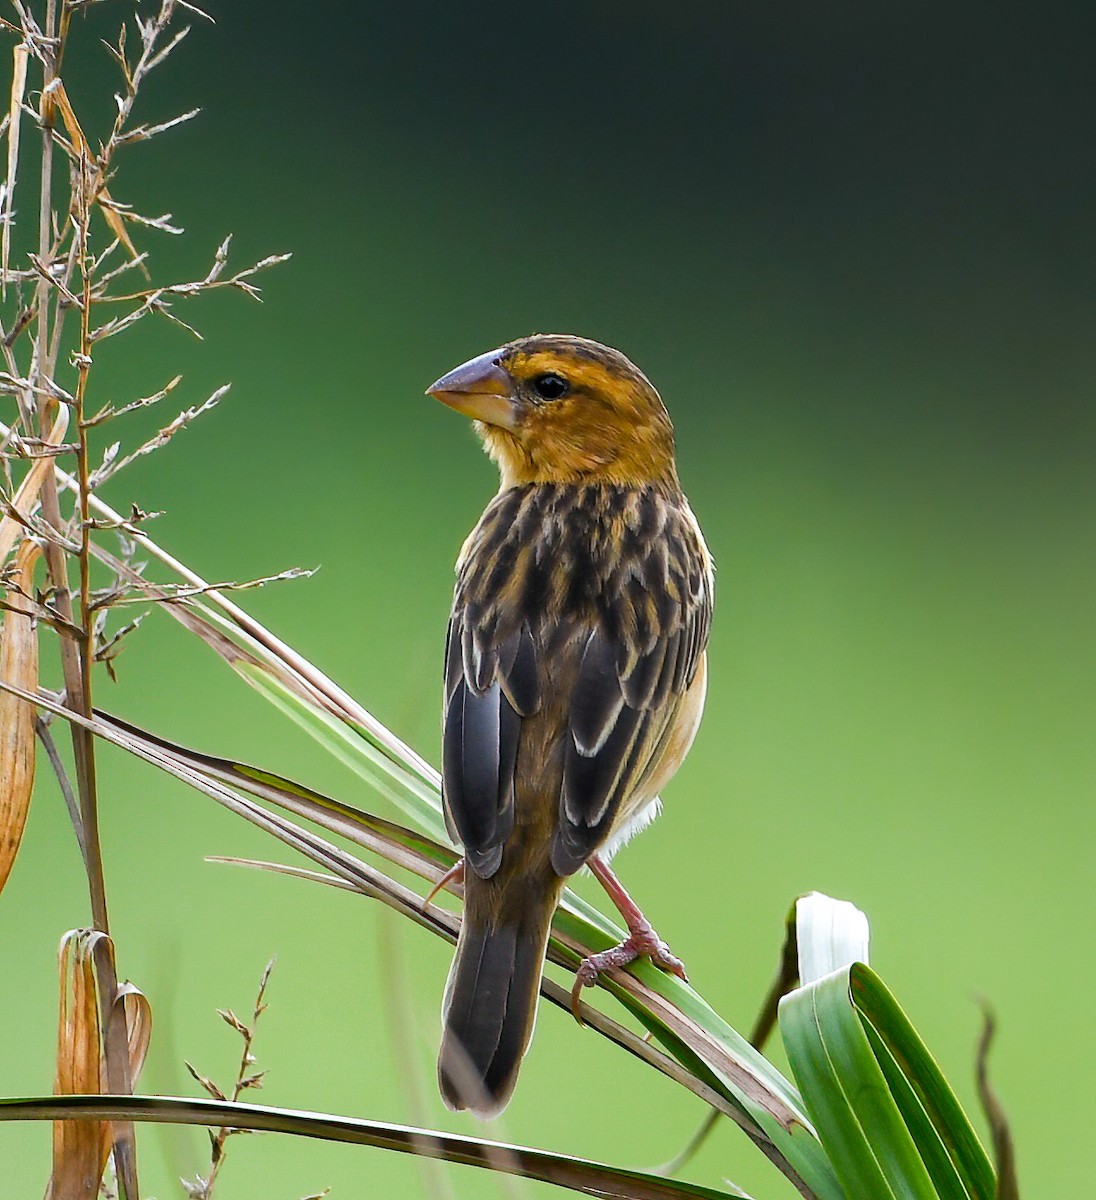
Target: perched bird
x,y
574,675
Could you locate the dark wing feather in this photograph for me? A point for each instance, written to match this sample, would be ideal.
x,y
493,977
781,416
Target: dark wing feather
x,y
593,786
641,686
518,673
488,688
479,750
597,700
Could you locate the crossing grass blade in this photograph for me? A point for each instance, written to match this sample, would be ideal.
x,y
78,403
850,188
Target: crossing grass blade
x,y
577,1174
348,742
401,846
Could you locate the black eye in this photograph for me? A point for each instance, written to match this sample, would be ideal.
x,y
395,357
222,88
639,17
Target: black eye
x,y
551,386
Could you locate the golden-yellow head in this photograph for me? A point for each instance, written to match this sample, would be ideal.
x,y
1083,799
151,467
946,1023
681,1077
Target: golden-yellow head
x,y
552,408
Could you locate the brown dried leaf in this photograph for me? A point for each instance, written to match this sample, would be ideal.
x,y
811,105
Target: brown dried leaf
x,y
18,665
132,1004
118,227
80,1148
59,96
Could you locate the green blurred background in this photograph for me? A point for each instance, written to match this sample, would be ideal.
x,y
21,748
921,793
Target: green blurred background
x,y
853,246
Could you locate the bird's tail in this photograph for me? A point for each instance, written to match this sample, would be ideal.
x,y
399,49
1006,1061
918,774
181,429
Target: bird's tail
x,y
491,997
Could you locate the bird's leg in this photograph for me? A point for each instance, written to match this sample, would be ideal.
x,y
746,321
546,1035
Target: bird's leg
x,y
455,874
641,939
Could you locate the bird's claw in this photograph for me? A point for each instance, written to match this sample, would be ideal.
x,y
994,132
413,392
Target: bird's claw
x,y
454,875
641,941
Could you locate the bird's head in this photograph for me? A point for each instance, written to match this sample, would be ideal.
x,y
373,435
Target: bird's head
x,y
558,409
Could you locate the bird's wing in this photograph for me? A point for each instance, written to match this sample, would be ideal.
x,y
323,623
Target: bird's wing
x,y
489,687
584,652
636,666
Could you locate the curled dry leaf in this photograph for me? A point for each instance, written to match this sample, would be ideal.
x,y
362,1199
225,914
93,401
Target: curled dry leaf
x,y
80,1148
18,665
132,1006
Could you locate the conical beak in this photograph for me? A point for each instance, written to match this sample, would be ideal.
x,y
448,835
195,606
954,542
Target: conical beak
x,y
480,389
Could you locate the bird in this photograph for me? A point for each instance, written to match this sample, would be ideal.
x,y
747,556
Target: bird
x,y
575,676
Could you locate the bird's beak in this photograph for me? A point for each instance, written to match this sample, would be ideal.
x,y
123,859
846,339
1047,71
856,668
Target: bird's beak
x,y
480,389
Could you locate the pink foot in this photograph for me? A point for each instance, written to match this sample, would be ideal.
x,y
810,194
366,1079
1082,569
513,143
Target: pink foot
x,y
642,939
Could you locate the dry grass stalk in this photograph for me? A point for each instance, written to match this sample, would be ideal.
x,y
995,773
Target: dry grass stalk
x,y
62,277
21,53
247,1078
18,665
1004,1151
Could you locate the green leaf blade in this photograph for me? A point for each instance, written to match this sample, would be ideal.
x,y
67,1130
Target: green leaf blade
x,y
890,1123
847,1095
953,1153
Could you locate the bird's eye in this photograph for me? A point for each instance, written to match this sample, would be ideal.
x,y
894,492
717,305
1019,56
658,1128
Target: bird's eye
x,y
551,386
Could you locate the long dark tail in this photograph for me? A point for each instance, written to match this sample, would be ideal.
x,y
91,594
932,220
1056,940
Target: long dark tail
x,y
491,997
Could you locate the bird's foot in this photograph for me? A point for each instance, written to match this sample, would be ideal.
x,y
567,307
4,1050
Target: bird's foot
x,y
642,939
454,875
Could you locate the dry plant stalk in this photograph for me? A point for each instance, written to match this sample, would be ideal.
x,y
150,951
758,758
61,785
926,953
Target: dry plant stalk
x,y
247,1077
63,290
